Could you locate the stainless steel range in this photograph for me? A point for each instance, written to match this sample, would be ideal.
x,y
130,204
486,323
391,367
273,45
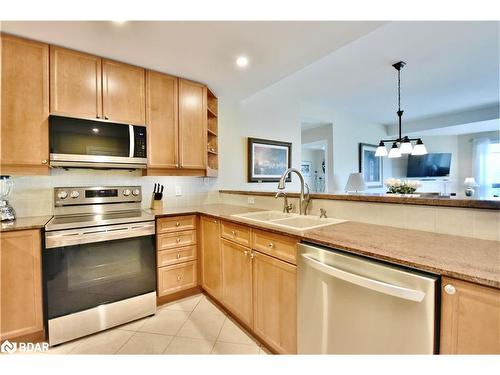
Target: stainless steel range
x,y
99,261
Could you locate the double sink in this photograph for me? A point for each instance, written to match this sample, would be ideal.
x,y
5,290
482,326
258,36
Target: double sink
x,y
288,220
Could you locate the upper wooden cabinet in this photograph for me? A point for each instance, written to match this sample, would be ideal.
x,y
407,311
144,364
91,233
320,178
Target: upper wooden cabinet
x,y
25,106
192,125
470,318
237,280
21,286
211,279
162,120
75,83
123,87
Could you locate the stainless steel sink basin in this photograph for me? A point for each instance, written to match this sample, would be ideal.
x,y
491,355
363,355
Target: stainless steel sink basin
x,y
288,221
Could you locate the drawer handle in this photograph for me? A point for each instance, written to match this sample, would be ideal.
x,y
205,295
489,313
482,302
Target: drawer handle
x,y
178,240
450,289
178,255
177,224
271,245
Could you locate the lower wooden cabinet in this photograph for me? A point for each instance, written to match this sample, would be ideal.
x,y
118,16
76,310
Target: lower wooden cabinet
x,y
470,318
211,276
237,280
175,278
21,313
275,302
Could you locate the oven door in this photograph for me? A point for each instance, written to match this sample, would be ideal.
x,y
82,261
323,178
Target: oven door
x,y
96,144
88,267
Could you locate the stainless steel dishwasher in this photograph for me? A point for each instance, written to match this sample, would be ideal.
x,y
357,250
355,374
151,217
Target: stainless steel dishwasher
x,y
349,304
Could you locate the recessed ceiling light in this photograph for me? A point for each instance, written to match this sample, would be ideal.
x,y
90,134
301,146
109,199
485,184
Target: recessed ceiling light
x,y
242,61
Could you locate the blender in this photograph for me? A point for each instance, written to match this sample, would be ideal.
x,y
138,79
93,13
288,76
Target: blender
x,y
6,211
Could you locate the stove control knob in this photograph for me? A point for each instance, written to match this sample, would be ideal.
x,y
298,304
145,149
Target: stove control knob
x,y
74,194
136,192
126,192
62,194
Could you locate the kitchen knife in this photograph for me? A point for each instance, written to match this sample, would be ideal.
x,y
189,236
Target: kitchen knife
x,y
161,192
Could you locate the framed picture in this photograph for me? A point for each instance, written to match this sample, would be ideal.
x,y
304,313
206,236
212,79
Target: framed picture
x,y
305,168
370,165
267,160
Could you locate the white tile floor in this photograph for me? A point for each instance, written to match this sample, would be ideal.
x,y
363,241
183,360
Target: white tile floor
x,y
193,325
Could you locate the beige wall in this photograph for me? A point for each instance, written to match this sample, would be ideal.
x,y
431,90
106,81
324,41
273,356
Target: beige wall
x,y
484,224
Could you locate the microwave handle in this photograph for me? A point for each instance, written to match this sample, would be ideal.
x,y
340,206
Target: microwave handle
x,y
131,141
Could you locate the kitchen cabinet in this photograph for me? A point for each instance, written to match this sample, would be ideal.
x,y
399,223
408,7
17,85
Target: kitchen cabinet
x,y
470,318
75,83
162,119
211,279
275,302
21,310
192,125
237,280
177,256
123,93
24,106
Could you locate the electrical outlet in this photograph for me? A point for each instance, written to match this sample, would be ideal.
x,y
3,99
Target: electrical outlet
x,y
178,190
251,200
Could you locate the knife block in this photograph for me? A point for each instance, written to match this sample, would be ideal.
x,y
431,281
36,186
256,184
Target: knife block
x,y
156,204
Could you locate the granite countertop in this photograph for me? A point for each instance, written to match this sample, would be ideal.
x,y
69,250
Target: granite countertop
x,y
464,258
482,203
22,223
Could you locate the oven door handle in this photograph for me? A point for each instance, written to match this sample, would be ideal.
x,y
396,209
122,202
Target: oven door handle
x,y
108,233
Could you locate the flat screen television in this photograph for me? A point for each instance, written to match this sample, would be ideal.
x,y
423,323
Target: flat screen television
x,y
430,165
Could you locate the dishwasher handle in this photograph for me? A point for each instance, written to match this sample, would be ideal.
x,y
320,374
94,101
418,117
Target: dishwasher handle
x,y
379,286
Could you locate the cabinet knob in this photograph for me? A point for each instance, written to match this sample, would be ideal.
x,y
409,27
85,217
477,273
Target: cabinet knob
x,y
245,252
233,233
178,239
215,221
450,289
271,245
179,278
252,255
97,116
106,117
177,224
178,255
44,161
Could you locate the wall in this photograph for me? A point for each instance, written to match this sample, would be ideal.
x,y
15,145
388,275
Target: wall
x,y
33,195
347,133
467,222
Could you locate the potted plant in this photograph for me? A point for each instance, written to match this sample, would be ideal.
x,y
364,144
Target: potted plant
x,y
397,186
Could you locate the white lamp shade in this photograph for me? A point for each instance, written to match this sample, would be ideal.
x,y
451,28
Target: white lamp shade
x,y
419,149
470,182
395,152
381,151
355,182
406,148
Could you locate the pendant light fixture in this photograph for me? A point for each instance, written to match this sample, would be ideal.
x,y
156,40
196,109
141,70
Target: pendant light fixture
x,y
405,145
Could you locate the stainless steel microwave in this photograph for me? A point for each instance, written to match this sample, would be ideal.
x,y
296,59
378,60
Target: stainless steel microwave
x,y
80,143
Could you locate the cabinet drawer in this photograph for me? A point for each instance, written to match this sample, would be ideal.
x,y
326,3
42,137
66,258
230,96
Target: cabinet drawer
x,y
182,254
174,240
236,233
176,224
281,247
178,277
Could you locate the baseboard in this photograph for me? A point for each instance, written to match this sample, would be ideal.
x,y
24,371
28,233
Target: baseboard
x,y
38,336
178,295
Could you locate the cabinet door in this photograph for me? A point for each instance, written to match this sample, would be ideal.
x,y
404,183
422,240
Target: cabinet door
x,y
237,280
21,284
470,318
211,273
275,302
25,106
192,125
162,120
75,83
123,96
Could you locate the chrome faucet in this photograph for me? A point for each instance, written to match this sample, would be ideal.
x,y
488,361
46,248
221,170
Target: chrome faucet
x,y
304,197
287,208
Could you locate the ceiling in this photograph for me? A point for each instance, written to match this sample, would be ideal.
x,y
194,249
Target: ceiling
x,y
204,51
451,66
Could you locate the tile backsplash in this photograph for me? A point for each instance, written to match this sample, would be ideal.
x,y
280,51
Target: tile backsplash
x,y
33,195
